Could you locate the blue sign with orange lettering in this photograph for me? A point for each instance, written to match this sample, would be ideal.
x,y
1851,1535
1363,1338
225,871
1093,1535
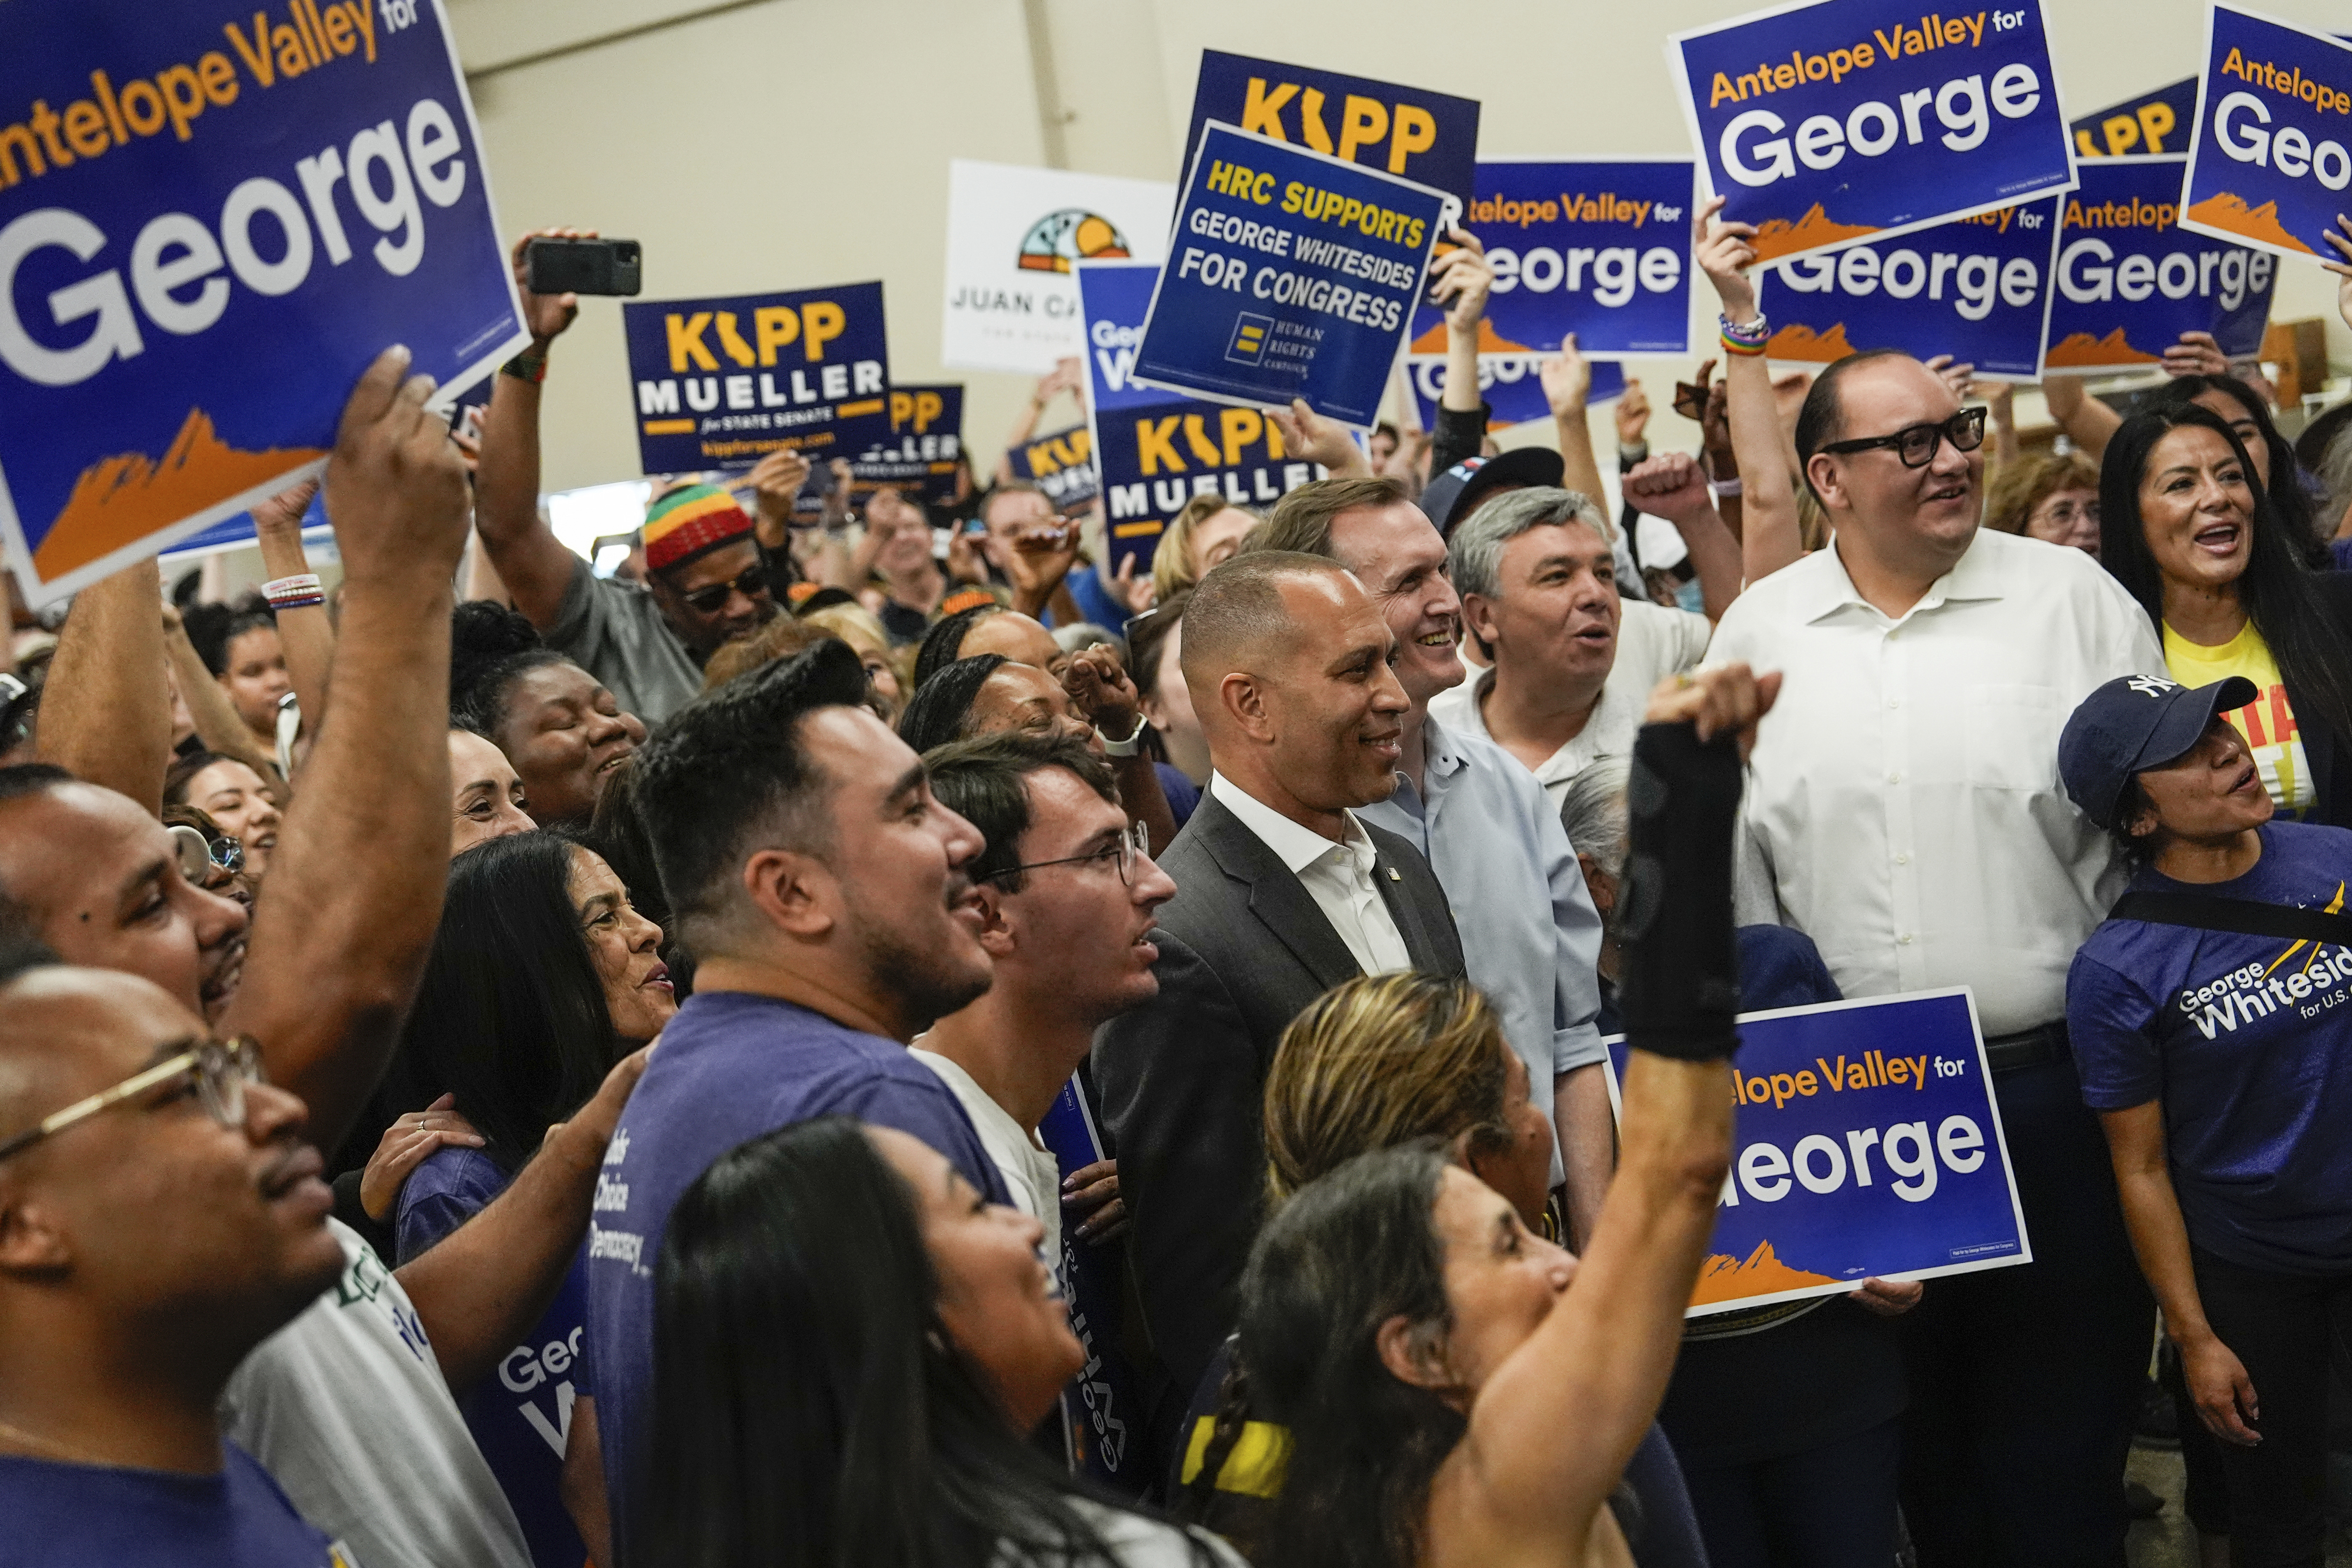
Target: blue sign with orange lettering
x,y
1290,274
1978,289
2269,164
213,217
721,384
1061,463
1596,246
1840,121
2131,280
1511,385
1866,1143
1432,137
926,439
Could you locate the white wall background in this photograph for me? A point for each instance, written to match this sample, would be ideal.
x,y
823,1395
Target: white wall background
x,y
759,144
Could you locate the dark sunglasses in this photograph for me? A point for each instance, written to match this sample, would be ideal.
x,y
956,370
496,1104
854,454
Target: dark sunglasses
x,y
712,597
1916,444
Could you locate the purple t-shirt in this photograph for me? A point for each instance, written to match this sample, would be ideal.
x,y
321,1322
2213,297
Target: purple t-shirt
x,y
153,1519
520,1415
2248,1042
730,1066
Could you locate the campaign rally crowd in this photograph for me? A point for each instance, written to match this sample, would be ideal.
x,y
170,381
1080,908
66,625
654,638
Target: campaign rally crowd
x,y
506,1065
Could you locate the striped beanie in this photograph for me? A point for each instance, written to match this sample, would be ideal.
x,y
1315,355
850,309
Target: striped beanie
x,y
689,520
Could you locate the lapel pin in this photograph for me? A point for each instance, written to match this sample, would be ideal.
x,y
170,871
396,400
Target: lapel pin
x,y
1395,875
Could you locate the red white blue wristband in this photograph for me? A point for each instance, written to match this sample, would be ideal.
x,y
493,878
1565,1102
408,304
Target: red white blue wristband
x,y
300,592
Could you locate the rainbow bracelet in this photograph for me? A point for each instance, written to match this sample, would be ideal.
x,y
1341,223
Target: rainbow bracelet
x,y
1746,338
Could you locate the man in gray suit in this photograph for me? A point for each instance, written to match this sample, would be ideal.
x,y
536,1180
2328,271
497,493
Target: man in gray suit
x,y
1281,894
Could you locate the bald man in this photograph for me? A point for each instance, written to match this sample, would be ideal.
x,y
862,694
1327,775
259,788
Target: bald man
x,y
1282,893
147,1245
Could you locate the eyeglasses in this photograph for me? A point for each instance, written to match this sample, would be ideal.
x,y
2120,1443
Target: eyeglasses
x,y
222,1070
1133,844
712,597
200,857
1916,444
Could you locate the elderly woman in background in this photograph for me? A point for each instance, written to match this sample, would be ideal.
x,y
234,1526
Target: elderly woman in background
x,y
2054,498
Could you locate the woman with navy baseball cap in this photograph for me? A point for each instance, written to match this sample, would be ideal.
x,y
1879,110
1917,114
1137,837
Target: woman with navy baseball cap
x,y
2212,1022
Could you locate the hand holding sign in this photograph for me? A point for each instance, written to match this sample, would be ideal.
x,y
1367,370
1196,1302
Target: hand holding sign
x,y
2196,355
1461,280
396,487
776,479
1308,434
1568,380
1725,254
2339,239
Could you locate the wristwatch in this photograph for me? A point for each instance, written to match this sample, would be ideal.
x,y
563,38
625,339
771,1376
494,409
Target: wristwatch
x,y
1128,747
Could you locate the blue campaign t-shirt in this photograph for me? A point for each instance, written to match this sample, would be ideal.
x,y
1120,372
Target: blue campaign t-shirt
x,y
731,1067
52,1513
2248,1042
520,1415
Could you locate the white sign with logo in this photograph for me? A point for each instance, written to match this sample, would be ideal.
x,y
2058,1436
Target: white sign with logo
x,y
1013,236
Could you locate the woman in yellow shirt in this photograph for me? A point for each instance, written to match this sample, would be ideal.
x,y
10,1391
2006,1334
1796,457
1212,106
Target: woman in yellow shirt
x,y
2186,525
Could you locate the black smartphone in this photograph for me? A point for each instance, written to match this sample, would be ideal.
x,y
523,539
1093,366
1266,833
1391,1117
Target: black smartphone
x,y
585,266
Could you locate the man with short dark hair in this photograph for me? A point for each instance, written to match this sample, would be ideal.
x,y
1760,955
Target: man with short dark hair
x,y
827,899
160,1217
1903,810
1282,893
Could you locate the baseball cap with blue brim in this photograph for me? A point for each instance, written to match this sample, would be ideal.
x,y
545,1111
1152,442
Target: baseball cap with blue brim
x,y
2133,723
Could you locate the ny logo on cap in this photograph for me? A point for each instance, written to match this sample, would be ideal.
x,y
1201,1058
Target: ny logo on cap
x,y
2152,685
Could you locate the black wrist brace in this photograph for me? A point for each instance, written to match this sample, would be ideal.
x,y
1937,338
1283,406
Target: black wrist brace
x,y
1680,959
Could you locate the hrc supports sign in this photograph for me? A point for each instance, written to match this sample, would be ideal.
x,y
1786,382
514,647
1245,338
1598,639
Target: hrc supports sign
x,y
1840,121
721,384
213,217
1432,137
2269,164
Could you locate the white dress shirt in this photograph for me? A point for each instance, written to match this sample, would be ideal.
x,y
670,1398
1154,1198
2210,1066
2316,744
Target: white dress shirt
x,y
1653,642
1904,808
1030,1176
1336,876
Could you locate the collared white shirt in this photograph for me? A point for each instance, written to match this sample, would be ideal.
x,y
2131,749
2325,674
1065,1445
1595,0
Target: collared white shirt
x,y
1337,876
1904,807
1030,1176
1653,642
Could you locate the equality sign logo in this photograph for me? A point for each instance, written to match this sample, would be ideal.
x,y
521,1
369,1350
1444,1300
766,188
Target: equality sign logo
x,y
721,384
213,217
2268,165
1432,137
1978,289
1867,1142
1833,121
1596,246
1060,239
2131,280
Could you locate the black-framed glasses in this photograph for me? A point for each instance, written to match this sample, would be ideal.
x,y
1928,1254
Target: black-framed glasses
x,y
200,857
1133,844
712,597
1916,444
222,1070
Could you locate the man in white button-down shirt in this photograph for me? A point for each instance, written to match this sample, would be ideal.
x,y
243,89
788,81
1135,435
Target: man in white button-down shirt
x,y
1903,810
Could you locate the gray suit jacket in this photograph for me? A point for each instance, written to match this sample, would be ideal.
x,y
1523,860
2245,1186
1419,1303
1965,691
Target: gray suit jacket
x,y
1181,1080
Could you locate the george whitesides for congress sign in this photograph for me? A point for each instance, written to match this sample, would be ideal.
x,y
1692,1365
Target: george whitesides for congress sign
x,y
1838,120
2269,164
1015,235
213,217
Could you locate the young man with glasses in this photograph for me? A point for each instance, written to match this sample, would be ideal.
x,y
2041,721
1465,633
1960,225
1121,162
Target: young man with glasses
x,y
160,1215
1903,810
1068,895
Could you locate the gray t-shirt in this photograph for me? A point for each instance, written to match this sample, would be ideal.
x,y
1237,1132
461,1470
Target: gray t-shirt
x,y
346,1407
616,632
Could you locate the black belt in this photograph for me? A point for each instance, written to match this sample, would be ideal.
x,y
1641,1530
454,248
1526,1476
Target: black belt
x,y
2026,1049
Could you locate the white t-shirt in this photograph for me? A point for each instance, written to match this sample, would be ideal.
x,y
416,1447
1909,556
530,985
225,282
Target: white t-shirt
x,y
1134,1541
346,1407
1030,1174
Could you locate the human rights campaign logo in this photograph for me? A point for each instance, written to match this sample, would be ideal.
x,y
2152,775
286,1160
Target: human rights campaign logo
x,y
1250,334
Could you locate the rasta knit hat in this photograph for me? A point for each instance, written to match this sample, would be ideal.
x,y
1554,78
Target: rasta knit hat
x,y
689,520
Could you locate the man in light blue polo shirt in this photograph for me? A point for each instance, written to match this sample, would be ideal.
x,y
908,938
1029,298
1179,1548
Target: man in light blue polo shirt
x,y
1530,937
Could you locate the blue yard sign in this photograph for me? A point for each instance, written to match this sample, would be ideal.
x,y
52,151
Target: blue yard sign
x,y
2130,280
1839,120
1291,274
213,215
926,438
1866,1143
2156,122
1596,246
721,384
1061,463
1512,386
1978,289
2269,164
1432,137
1154,451
1106,1417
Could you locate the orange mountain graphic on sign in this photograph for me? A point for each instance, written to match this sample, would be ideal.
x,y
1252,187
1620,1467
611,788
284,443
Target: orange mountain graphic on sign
x,y
1804,342
2224,210
2083,349
122,499
1723,1278
1490,342
1781,237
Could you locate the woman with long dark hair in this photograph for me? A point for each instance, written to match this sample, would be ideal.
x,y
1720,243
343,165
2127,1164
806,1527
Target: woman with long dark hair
x,y
542,978
848,1345
2187,525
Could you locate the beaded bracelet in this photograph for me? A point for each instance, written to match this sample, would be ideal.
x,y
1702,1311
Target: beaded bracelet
x,y
300,592
526,366
1744,338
